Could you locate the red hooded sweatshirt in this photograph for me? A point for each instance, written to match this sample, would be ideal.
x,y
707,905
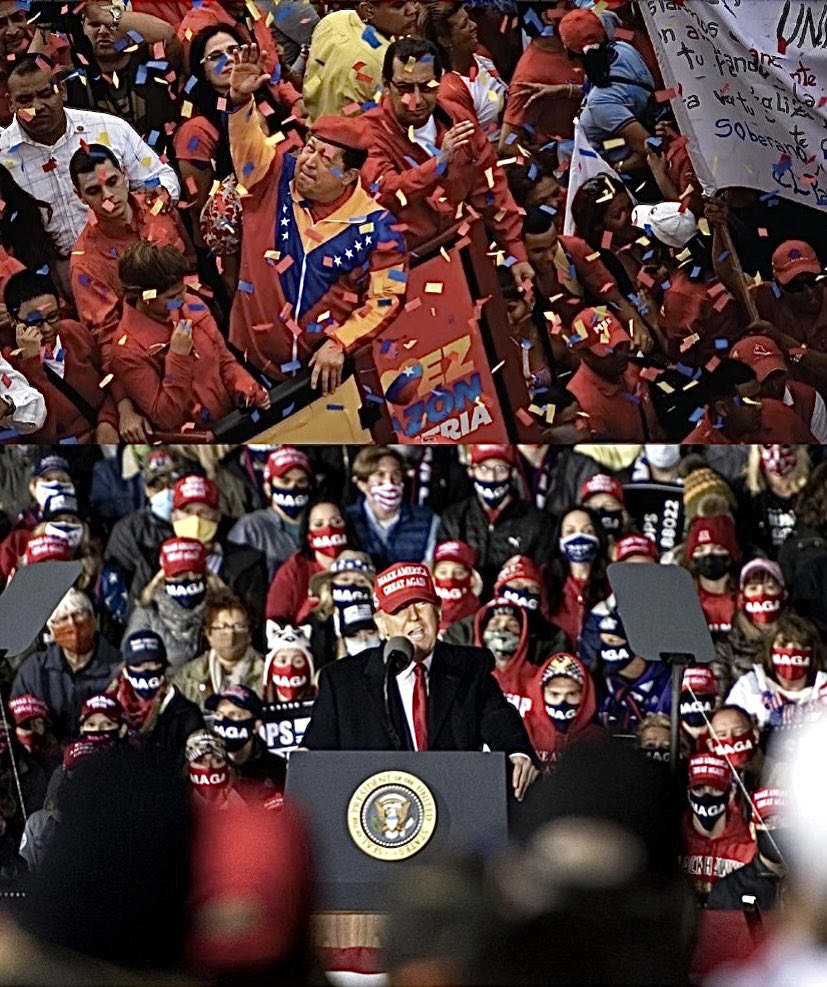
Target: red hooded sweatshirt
x,y
516,675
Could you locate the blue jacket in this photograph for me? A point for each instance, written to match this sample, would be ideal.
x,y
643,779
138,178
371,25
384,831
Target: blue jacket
x,y
410,539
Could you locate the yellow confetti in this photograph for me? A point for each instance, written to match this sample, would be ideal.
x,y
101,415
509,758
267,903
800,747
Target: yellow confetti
x,y
366,228
149,294
489,177
615,142
433,287
401,196
107,380
122,340
500,364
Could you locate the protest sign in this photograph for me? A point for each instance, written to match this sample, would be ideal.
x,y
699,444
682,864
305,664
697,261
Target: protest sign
x,y
744,81
283,725
586,163
657,510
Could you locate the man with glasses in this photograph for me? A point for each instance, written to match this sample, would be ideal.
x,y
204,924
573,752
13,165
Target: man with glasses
x,y
494,520
430,159
61,360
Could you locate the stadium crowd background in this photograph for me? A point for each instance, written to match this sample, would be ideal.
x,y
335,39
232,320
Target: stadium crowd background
x,y
142,192
217,581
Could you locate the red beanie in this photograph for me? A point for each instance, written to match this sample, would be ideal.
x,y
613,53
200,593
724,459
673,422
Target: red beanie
x,y
716,530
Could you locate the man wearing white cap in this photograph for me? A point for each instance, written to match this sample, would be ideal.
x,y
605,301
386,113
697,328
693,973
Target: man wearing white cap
x,y
445,699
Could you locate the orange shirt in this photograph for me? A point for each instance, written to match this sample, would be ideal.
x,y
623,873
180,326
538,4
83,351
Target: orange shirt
x,y
546,119
616,410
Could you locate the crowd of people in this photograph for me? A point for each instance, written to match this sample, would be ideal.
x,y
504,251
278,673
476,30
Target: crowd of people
x,y
200,201
221,586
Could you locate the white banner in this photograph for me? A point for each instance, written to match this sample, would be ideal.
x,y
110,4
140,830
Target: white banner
x,y
750,78
586,163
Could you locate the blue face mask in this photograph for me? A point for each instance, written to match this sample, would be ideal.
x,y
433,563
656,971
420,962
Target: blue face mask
x,y
291,502
188,593
145,684
580,548
615,657
562,715
160,504
522,597
492,492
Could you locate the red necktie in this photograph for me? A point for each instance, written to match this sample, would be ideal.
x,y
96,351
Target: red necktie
x,y
420,708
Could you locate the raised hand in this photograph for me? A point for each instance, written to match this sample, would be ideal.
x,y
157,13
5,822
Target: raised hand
x,y
247,73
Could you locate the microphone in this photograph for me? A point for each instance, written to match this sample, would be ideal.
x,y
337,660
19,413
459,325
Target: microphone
x,y
397,655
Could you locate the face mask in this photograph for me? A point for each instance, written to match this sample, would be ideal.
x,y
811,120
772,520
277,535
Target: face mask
x,y
453,590
580,548
195,527
492,492
388,496
693,711
160,504
328,541
738,749
712,566
661,754
501,642
71,533
291,682
663,457
236,733
291,502
764,608
145,684
34,743
78,636
44,489
791,663
355,645
562,715
769,850
188,593
523,598
612,521
708,809
209,778
344,596
615,657
779,461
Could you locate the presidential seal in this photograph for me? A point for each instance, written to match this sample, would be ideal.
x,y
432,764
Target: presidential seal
x,y
391,815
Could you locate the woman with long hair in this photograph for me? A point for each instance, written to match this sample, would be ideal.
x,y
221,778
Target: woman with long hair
x,y
23,226
775,476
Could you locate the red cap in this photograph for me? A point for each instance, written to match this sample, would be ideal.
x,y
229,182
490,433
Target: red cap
x,y
580,29
701,679
456,551
195,489
283,460
716,530
27,707
761,353
42,548
180,555
602,483
102,703
480,453
792,258
769,802
597,329
341,131
518,567
709,769
403,583
630,545
80,750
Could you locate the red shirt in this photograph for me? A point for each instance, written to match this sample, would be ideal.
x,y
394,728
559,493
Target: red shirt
x,y
698,308
572,610
719,610
548,119
778,424
612,412
289,600
83,374
707,860
172,390
409,183
809,329
172,11
196,140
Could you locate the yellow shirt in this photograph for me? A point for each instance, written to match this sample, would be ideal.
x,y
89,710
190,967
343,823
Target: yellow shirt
x,y
343,66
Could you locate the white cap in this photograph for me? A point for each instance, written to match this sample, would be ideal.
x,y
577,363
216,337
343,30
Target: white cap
x,y
662,457
667,222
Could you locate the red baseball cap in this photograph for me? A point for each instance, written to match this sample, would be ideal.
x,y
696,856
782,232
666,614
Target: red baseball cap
x,y
769,802
709,769
341,131
792,258
180,555
43,548
701,679
761,353
602,483
630,545
194,489
404,583
597,330
456,551
481,453
582,29
27,707
518,567
283,460
101,703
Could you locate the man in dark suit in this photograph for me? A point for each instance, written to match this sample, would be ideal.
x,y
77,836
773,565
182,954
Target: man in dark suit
x,y
445,699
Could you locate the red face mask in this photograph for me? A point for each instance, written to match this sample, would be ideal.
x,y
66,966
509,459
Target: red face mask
x,y
739,749
328,541
290,682
791,663
452,590
77,636
764,608
34,743
780,461
209,779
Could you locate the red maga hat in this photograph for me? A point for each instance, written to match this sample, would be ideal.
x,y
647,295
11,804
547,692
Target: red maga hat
x,y
602,483
283,460
709,769
404,583
180,555
194,489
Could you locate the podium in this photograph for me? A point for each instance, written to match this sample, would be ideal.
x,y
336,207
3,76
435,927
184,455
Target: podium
x,y
373,815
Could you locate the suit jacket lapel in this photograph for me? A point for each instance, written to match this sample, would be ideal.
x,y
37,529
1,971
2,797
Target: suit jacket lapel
x,y
374,673
443,683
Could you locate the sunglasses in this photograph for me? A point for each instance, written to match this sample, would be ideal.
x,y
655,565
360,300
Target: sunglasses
x,y
801,283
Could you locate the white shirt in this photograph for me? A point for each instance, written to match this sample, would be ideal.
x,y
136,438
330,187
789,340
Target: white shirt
x,y
406,681
25,160
425,136
30,408
488,93
58,366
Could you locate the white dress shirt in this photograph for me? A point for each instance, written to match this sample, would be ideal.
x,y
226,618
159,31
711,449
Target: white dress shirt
x,y
25,160
405,681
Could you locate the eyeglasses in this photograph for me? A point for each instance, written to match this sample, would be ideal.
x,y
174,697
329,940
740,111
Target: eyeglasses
x,y
238,628
409,88
219,55
801,283
52,320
